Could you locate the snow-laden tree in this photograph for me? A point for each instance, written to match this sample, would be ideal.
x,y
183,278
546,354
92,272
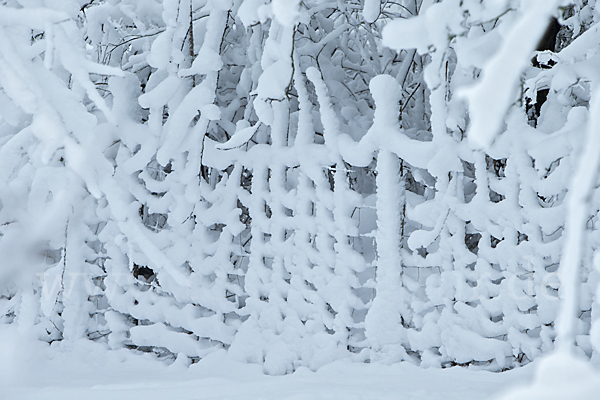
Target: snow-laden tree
x,y
54,130
295,182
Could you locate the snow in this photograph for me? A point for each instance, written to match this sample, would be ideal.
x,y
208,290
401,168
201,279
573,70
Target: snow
x,y
9,111
286,12
208,59
175,131
560,376
273,83
477,48
161,50
579,206
248,12
496,91
34,371
240,137
383,322
430,29
464,346
371,10
265,249
32,18
161,94
409,33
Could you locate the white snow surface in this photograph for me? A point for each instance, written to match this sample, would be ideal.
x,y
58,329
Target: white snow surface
x,y
86,370
560,376
371,10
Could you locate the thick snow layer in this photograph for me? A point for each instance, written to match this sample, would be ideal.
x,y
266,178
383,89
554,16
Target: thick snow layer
x,y
286,12
249,11
87,371
496,91
32,18
560,376
240,137
371,10
409,33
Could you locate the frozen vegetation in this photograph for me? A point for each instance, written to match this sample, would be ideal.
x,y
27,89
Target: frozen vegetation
x,y
288,199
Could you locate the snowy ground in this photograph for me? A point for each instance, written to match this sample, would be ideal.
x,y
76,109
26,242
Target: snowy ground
x,y
86,371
